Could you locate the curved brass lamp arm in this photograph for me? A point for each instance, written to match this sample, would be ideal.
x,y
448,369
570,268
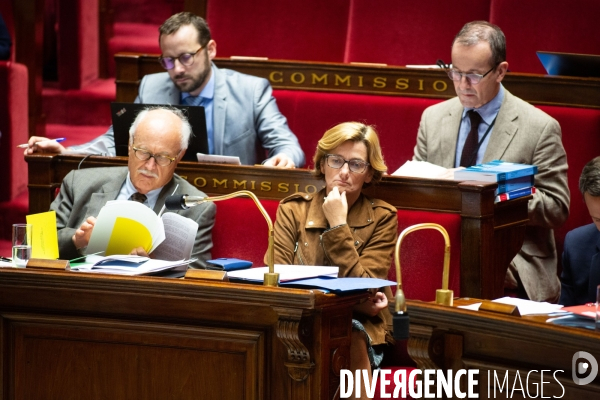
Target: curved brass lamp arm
x,y
442,296
271,278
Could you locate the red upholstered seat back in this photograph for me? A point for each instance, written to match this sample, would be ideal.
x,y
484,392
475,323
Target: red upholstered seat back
x,y
241,231
581,139
408,32
422,254
396,119
301,30
548,25
14,121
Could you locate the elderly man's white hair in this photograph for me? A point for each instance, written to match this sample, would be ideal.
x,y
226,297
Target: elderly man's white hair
x,y
186,128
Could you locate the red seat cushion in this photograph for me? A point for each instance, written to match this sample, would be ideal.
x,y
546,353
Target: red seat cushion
x,y
14,128
313,30
422,254
241,230
408,32
396,119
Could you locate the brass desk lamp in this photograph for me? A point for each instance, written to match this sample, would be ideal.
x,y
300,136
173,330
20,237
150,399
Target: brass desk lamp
x,y
184,202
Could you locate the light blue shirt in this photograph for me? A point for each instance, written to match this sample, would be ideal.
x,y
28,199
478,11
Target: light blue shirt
x,y
206,99
488,113
128,189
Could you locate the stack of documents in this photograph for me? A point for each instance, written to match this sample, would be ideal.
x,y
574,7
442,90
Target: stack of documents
x,y
130,265
286,273
310,277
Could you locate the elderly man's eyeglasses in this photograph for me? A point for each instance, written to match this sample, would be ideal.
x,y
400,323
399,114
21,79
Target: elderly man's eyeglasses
x,y
354,165
186,59
473,79
160,159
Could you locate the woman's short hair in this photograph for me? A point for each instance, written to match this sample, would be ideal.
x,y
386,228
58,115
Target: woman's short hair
x,y
356,132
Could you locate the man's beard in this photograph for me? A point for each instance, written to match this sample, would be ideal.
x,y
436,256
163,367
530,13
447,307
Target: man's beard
x,y
195,83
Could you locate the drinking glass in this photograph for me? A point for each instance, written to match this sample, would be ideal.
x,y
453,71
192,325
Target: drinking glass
x,y
21,244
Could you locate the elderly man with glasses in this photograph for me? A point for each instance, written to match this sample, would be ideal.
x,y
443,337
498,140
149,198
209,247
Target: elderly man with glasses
x,y
486,122
158,139
242,117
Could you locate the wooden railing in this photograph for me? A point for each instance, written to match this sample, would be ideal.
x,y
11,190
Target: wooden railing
x,y
370,79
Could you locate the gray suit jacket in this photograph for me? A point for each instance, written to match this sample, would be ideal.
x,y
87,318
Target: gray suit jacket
x,y
246,119
522,134
84,192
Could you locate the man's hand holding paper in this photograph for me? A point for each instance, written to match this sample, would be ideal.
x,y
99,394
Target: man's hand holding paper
x,y
81,238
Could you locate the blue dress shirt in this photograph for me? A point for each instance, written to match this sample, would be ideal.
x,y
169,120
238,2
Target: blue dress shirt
x,y
205,99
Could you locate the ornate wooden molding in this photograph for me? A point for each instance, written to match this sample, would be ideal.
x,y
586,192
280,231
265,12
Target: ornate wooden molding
x,y
298,362
425,347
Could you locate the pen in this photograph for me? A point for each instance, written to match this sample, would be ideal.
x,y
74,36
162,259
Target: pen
x,y
25,145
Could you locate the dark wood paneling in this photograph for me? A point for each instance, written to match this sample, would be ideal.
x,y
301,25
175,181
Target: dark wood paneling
x,y
70,335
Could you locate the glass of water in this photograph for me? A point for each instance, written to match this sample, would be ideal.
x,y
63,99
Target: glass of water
x,y
21,244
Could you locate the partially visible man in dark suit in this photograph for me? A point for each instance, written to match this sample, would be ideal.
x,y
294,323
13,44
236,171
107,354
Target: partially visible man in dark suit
x,y
5,42
242,117
158,139
581,256
486,122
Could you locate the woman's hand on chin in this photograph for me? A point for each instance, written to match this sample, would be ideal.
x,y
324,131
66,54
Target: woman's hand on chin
x,y
335,207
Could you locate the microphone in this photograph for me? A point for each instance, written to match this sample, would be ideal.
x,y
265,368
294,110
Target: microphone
x,y
183,202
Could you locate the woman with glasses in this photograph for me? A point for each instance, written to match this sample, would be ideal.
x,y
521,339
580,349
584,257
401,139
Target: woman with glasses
x,y
342,227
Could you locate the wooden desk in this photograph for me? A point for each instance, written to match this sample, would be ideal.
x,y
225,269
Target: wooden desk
x,y
449,337
491,233
72,335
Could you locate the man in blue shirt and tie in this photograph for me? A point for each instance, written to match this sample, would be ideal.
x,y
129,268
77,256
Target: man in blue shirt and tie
x,y
486,122
242,117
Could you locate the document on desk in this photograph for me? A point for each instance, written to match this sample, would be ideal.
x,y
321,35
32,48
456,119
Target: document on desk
x,y
286,273
217,159
526,307
125,225
424,169
340,285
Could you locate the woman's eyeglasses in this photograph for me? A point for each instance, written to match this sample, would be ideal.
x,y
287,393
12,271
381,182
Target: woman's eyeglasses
x,y
355,165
